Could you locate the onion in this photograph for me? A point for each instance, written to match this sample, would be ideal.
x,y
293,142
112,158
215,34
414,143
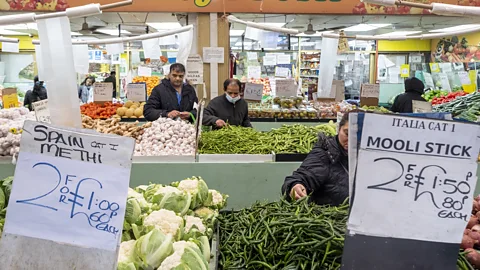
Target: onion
x,y
472,222
467,242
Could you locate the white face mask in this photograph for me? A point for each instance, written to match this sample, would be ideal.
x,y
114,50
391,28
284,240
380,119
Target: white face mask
x,y
232,100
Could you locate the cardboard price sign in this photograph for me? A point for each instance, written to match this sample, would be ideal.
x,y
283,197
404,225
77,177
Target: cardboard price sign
x,y
42,113
286,88
69,196
369,94
102,92
137,92
423,168
253,92
9,98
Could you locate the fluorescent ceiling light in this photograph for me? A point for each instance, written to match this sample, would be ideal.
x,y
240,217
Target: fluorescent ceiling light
x,y
454,28
398,34
365,27
112,32
165,25
236,33
75,34
317,34
273,24
12,33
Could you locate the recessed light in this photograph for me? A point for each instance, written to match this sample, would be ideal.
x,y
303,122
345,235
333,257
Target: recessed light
x,y
364,27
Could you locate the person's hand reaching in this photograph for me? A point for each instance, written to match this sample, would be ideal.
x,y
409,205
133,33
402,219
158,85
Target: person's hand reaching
x,y
298,191
173,114
220,123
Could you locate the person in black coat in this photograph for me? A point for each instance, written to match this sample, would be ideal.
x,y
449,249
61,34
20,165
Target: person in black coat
x,y
112,79
227,109
38,93
413,91
172,98
324,173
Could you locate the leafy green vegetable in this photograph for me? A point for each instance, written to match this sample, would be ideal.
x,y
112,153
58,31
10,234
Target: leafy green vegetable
x,y
153,248
172,198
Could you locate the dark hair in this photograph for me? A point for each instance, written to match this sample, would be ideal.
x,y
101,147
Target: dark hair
x,y
85,81
177,67
113,73
35,79
344,119
230,82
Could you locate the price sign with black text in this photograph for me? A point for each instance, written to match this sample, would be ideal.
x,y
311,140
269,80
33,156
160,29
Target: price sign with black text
x,y
253,92
136,92
102,92
42,113
417,176
70,186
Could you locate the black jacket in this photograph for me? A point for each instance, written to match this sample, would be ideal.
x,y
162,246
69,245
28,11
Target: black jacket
x,y
164,100
413,91
233,114
324,173
113,80
38,93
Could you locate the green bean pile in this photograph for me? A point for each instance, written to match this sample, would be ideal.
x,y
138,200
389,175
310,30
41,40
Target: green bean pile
x,y
283,235
466,107
289,139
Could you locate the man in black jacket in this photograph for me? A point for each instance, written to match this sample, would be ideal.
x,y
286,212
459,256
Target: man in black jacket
x,y
113,80
172,98
228,108
38,93
413,91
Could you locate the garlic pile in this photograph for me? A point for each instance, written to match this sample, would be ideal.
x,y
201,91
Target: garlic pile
x,y
11,124
167,137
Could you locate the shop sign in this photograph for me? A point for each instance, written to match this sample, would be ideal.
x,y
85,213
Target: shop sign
x,y
70,191
423,168
42,113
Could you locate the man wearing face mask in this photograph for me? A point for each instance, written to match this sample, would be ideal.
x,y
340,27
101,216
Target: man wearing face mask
x,y
172,98
228,109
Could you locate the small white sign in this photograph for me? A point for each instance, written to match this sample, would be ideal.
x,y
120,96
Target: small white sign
x,y
11,47
425,169
166,69
214,55
428,80
103,92
136,92
443,78
151,48
446,67
464,78
370,91
42,113
283,59
195,69
144,71
282,72
421,106
270,60
286,88
252,56
70,186
116,48
254,72
253,91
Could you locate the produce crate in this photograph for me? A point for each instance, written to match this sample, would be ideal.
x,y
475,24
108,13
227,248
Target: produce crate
x,y
215,248
234,158
164,159
290,157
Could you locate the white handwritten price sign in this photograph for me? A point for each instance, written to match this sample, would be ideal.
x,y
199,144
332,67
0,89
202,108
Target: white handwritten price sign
x,y
370,91
417,176
253,91
69,195
136,92
42,113
214,55
195,69
286,88
102,92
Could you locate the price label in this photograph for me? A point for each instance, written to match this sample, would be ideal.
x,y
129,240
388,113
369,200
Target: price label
x,y
253,91
269,60
144,71
405,71
425,169
252,56
370,91
254,72
137,92
444,82
464,78
42,113
428,80
434,67
283,59
9,98
286,88
214,55
70,186
102,92
282,72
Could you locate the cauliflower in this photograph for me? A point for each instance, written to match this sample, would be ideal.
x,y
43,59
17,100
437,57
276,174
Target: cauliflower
x,y
194,221
172,198
166,221
126,256
197,188
216,199
187,255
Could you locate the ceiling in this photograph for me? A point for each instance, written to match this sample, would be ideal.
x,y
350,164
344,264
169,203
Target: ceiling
x,y
136,23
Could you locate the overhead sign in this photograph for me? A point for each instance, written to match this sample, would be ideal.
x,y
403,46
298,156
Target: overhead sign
x,y
42,113
137,92
102,92
253,91
70,190
423,168
195,69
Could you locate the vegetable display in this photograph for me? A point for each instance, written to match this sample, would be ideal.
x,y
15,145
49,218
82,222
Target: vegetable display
x,y
283,235
448,97
464,107
375,109
97,110
114,126
169,227
432,94
471,237
5,189
287,139
11,124
167,137
131,110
